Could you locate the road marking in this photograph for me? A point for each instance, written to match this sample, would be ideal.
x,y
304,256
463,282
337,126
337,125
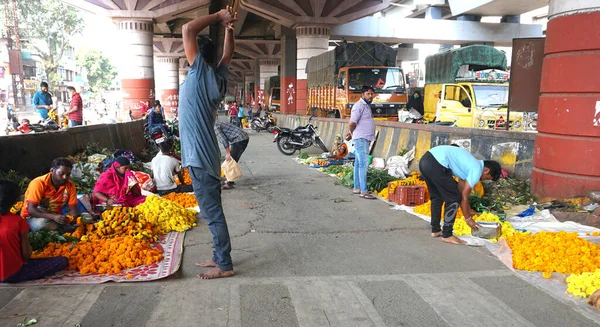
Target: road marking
x,y
463,303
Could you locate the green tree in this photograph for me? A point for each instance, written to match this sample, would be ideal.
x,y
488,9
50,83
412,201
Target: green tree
x,y
48,26
100,71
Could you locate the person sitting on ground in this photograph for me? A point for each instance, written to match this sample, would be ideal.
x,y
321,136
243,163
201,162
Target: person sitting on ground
x,y
15,250
339,149
118,185
437,167
47,195
157,120
234,140
164,166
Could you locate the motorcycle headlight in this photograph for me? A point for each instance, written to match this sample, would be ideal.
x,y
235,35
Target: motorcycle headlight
x,y
481,123
518,124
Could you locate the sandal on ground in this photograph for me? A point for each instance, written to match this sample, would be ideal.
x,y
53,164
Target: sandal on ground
x,y
355,192
226,186
368,196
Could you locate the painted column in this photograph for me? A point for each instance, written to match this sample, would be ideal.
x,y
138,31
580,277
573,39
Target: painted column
x,y
136,66
312,41
566,159
258,93
249,89
288,71
268,68
167,84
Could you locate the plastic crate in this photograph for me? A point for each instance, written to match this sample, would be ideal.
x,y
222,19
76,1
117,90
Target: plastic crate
x,y
411,196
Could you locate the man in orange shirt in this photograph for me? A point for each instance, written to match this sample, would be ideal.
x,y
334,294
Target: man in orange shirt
x,y
47,195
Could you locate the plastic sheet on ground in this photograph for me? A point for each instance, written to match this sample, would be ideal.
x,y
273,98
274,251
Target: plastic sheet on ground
x,y
540,221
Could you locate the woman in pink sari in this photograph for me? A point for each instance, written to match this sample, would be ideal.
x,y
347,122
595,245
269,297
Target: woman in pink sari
x,y
118,185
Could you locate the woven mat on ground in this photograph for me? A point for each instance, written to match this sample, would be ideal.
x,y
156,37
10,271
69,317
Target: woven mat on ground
x,y
171,244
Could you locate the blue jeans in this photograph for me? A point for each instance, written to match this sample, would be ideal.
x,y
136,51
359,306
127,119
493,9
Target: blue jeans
x,y
161,126
207,189
73,123
361,163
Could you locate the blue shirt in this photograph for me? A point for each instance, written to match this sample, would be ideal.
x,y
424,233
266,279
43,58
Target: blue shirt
x,y
155,118
199,98
42,99
462,163
241,112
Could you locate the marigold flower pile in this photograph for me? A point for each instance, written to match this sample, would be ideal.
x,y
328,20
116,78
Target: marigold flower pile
x,y
167,215
119,221
104,256
584,284
186,200
187,179
550,252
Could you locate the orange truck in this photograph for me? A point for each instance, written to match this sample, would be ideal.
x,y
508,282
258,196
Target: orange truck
x,y
335,80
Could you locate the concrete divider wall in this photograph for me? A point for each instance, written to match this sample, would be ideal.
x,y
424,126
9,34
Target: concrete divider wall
x,y
514,150
32,154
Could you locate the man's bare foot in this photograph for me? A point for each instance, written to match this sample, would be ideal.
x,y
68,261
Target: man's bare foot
x,y
453,240
438,234
207,263
216,273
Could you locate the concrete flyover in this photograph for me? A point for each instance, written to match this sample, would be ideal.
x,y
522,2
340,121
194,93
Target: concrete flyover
x,y
514,150
416,30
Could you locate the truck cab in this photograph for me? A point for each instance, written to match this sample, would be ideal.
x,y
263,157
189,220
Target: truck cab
x,y
274,101
471,103
388,83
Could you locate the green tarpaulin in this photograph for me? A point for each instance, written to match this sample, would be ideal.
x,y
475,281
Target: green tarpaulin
x,y
322,70
443,67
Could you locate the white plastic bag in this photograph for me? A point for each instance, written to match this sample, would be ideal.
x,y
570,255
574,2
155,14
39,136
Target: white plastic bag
x,y
378,163
232,170
398,165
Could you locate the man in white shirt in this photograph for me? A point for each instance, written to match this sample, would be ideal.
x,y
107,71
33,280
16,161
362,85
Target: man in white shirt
x,y
164,167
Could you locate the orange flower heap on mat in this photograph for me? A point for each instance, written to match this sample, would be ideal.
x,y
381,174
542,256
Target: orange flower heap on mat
x,y
186,200
119,221
549,252
187,179
104,256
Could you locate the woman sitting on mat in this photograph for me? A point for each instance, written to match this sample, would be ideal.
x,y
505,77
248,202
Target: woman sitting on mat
x,y
15,250
118,185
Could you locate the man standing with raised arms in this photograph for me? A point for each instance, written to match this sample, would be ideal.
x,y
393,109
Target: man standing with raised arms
x,y
199,98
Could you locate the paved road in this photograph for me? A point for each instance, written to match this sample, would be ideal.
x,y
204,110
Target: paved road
x,y
303,260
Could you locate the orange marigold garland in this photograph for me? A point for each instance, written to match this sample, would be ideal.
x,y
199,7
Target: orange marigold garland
x,y
187,179
186,200
104,256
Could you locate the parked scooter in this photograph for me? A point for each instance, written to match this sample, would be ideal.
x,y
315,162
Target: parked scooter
x,y
267,122
289,141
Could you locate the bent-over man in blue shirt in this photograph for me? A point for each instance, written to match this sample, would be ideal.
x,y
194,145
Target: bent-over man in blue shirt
x,y
437,167
199,98
42,101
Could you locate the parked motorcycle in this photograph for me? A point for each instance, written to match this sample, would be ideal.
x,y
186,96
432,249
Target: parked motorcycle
x,y
47,124
289,141
267,122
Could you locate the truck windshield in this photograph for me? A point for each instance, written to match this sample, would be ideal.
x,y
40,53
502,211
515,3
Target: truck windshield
x,y
490,95
383,80
275,95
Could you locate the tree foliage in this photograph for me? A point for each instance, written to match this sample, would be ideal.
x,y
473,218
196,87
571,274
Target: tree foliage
x,y
100,71
48,26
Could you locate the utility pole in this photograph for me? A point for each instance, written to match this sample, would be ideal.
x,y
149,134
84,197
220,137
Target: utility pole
x,y
11,22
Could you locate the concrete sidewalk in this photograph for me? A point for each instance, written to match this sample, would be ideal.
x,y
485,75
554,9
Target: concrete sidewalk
x,y
301,259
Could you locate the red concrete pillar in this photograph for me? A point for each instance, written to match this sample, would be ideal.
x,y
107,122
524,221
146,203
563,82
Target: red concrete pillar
x,y
136,66
567,148
288,71
312,41
167,84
